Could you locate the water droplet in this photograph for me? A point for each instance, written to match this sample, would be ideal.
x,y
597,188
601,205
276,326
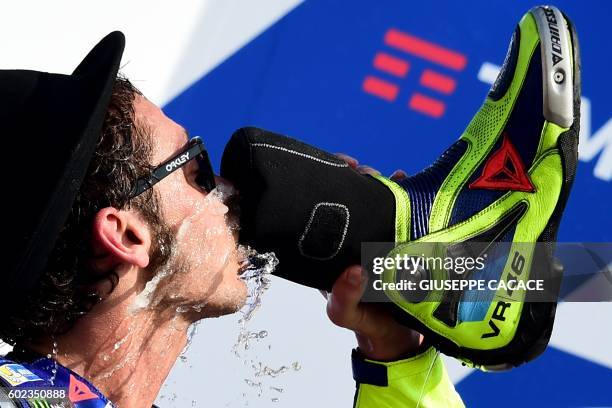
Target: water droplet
x,y
182,309
119,343
252,383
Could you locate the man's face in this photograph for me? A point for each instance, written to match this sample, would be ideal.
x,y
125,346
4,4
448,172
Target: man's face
x,y
201,279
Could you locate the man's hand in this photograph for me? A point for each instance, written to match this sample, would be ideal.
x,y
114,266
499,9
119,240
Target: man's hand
x,y
379,336
352,162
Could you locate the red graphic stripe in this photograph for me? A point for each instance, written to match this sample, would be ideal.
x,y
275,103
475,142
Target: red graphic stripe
x,y
425,49
382,89
391,65
427,105
438,82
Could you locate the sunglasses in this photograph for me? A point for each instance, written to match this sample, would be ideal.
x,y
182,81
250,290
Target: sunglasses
x,y
193,150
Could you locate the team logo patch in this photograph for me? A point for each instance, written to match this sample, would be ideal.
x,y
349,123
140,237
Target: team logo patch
x,y
16,374
79,391
504,171
430,79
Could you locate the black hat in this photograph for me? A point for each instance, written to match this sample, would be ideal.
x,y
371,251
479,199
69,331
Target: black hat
x,y
50,125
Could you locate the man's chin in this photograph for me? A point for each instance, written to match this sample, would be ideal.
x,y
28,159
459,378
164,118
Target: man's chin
x,y
225,301
239,297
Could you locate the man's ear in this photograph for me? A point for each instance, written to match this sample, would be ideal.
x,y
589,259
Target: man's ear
x,y
119,237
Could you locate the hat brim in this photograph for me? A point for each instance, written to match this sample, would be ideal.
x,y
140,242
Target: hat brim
x,y
94,79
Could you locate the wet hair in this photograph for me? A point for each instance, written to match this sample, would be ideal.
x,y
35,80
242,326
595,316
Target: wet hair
x,y
64,292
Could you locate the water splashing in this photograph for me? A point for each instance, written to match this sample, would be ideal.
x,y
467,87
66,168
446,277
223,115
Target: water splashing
x,y
256,274
53,356
261,370
192,332
257,268
257,277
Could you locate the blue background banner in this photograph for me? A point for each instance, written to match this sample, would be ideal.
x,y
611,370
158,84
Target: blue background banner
x,y
329,74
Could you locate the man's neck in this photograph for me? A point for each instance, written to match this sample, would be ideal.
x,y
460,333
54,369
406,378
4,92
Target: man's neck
x,y
126,357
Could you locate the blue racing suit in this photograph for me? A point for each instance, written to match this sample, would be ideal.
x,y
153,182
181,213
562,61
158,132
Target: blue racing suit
x,y
39,382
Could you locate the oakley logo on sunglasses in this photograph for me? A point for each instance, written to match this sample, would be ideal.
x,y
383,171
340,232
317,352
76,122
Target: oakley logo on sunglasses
x,y
177,162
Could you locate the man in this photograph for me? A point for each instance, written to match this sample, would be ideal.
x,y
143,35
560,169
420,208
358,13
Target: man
x,y
120,241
